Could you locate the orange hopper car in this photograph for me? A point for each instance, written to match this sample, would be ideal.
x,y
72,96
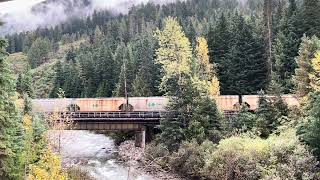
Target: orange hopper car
x,y
224,103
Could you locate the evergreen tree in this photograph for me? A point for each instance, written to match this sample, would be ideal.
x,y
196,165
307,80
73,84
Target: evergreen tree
x,y
192,114
126,75
267,120
277,76
269,114
38,52
105,69
24,84
268,19
72,85
307,50
243,120
285,48
248,66
71,54
219,40
59,80
147,73
174,54
311,17
309,128
10,125
86,57
98,36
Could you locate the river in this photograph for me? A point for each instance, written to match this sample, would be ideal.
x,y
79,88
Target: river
x,y
96,154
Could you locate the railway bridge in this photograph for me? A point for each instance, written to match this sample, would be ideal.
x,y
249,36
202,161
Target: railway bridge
x,y
116,121
133,113
112,121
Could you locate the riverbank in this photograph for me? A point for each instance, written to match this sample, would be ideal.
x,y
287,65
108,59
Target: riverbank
x,y
94,156
135,157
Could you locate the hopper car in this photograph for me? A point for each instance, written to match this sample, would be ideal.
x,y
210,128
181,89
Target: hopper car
x,y
141,104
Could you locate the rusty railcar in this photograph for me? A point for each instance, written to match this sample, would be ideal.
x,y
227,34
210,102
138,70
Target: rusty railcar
x,y
99,104
224,103
227,102
115,104
253,100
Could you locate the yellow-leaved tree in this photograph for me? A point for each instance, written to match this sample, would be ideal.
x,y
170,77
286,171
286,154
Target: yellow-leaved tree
x,y
208,79
48,168
28,154
315,74
192,114
174,54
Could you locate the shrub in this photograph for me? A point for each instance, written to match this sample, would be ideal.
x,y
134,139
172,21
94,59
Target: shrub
x,y
243,120
190,158
78,173
309,129
244,157
157,154
289,159
236,158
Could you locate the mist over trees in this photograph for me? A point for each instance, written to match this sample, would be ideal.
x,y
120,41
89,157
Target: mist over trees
x,y
236,36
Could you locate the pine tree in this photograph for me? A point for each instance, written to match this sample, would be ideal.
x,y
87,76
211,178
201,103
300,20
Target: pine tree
x,y
147,71
275,86
72,84
268,12
59,80
98,36
311,17
269,113
71,54
307,50
219,40
126,75
105,68
266,121
309,128
285,48
207,117
24,84
277,83
38,52
86,57
10,125
247,71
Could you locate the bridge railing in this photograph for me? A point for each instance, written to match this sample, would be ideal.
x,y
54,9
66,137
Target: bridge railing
x,y
106,115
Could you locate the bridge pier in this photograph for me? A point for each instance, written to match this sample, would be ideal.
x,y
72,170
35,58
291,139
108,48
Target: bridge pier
x,y
140,137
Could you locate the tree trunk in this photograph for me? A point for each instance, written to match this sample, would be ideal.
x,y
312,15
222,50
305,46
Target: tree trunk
x,y
268,20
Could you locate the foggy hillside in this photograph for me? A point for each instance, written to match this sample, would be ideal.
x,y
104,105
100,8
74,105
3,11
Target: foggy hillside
x,y
21,15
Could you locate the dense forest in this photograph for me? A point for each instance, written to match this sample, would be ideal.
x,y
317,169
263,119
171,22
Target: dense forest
x,y
238,42
189,51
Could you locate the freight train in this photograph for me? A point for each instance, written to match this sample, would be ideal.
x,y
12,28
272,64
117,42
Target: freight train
x,y
224,103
